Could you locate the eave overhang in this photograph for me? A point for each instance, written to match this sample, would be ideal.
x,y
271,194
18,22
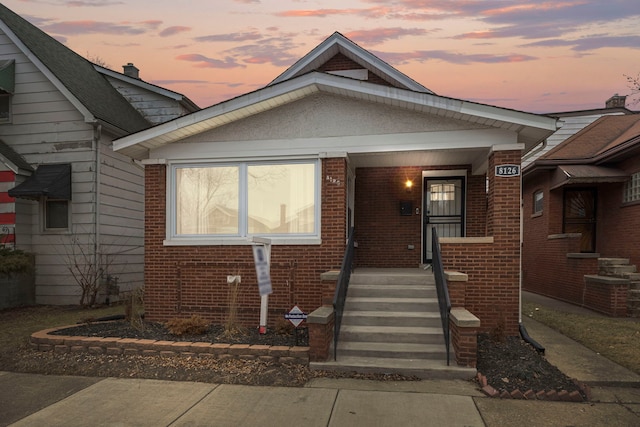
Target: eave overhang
x,y
530,128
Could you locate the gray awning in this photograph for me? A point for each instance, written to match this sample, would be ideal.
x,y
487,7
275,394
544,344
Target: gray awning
x,y
52,181
7,76
586,174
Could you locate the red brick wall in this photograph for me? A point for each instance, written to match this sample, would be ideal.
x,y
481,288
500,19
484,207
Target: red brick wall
x,y
618,233
546,268
492,291
340,62
383,235
184,280
476,206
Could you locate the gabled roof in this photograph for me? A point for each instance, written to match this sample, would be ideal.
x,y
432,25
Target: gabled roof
x,y
530,128
74,75
337,43
185,101
13,160
599,140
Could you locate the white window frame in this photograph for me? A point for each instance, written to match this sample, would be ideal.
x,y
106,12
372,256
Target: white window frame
x,y
537,211
244,238
45,201
632,189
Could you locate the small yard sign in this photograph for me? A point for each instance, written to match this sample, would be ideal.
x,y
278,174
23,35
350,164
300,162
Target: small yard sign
x,y
295,316
262,270
508,170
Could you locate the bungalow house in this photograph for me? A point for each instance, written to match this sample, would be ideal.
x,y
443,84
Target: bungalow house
x,y
341,139
65,195
582,218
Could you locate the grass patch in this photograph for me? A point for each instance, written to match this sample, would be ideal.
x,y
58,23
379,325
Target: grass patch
x,y
19,323
617,339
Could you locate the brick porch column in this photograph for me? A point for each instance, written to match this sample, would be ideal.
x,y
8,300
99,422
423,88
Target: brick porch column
x,y
498,299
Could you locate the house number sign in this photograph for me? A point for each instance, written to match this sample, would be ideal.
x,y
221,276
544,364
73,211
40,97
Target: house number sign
x,y
508,170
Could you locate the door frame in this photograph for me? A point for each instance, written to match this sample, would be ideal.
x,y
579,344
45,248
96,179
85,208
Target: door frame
x,y
441,174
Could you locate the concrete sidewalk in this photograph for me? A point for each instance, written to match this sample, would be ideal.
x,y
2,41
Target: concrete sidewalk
x,y
37,400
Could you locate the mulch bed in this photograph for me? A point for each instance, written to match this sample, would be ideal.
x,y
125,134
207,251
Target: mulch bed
x,y
509,366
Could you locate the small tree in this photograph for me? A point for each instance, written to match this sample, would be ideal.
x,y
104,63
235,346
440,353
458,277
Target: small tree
x,y
87,266
634,84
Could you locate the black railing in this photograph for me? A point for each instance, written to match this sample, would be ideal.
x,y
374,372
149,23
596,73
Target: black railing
x,y
442,288
341,290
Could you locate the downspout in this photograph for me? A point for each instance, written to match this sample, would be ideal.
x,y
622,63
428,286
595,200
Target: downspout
x,y
97,135
523,331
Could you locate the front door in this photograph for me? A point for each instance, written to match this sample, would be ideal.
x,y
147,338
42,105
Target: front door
x,y
443,209
579,216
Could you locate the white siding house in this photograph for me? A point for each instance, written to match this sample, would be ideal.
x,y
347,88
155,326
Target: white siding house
x,y
64,112
574,122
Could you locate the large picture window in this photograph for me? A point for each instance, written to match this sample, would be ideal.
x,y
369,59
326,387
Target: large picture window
x,y
244,199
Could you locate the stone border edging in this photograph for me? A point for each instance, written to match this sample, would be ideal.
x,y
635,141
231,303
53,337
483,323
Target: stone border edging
x,y
43,341
550,395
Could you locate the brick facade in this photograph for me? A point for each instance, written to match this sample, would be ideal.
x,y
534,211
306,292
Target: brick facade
x,y
493,266
547,267
340,63
184,280
383,234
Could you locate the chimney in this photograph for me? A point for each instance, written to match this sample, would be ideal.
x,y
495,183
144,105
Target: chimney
x,y
131,70
616,101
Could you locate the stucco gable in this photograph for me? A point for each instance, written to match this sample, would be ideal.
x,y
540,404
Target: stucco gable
x,y
325,115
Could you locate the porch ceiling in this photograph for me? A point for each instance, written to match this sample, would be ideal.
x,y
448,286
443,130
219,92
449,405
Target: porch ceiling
x,y
476,157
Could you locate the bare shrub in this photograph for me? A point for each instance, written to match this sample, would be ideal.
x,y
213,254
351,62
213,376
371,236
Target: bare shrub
x,y
194,325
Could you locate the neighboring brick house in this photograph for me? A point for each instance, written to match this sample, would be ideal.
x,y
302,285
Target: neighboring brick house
x,y
582,217
65,195
329,144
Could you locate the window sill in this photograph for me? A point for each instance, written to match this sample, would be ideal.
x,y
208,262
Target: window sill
x,y
242,241
536,215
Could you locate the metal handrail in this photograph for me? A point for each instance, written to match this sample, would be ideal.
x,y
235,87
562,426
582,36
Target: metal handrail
x,y
442,288
340,294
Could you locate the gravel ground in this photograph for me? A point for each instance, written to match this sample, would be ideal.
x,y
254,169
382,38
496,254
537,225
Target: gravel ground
x,y
508,365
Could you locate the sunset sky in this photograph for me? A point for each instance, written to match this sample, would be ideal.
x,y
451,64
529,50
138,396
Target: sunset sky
x,y
538,56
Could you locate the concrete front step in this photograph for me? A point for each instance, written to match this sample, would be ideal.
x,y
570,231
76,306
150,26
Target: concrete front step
x,y
392,291
425,369
391,276
602,262
391,318
392,334
392,350
617,270
606,280
391,304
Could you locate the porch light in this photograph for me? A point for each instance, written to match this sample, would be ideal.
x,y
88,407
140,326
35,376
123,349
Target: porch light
x,y
408,185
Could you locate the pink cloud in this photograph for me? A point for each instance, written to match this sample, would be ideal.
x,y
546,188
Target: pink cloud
x,y
231,37
176,29
380,35
206,62
89,27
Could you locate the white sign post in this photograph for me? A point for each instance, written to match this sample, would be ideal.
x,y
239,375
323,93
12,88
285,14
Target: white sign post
x,y
262,259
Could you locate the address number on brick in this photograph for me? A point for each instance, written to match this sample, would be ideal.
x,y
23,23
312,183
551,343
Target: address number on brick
x,y
508,170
